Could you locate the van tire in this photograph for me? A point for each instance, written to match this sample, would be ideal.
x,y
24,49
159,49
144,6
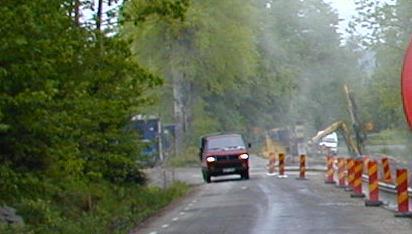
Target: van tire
x,y
206,176
245,175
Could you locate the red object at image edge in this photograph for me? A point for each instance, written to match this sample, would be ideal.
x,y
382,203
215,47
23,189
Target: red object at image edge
x,y
406,85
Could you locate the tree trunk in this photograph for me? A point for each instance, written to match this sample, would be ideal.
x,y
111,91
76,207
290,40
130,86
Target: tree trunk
x,y
178,107
99,15
77,12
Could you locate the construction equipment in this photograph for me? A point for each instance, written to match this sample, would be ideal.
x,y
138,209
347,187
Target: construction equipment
x,y
341,128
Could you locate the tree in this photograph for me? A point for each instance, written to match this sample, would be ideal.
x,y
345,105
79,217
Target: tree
x,y
387,30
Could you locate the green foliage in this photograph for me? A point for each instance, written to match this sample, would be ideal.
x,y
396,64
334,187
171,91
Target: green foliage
x,y
67,92
240,65
99,208
384,29
189,157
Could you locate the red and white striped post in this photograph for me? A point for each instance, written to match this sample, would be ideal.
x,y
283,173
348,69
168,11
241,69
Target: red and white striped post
x,y
357,182
373,185
341,173
282,166
350,163
302,167
402,192
387,177
329,170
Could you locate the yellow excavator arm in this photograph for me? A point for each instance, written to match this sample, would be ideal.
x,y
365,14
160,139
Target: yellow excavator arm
x,y
343,129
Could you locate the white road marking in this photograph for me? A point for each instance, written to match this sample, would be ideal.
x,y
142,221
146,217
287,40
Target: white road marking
x,y
175,219
190,204
244,187
153,233
165,225
182,213
194,201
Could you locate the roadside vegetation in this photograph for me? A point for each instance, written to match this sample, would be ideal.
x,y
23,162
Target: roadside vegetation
x,y
68,88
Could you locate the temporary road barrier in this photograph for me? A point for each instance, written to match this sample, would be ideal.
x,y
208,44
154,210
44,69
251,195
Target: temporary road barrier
x,y
387,177
373,185
350,164
329,170
271,165
341,173
302,167
402,192
282,166
357,182
365,164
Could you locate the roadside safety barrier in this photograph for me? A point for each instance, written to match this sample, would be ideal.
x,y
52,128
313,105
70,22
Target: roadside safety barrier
x,y
271,165
387,177
350,163
341,173
302,167
282,166
357,182
402,193
329,170
365,164
373,185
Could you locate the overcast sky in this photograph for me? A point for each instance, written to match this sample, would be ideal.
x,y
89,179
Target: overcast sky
x,y
345,9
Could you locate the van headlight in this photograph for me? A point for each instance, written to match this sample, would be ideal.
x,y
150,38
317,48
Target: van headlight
x,y
244,156
210,159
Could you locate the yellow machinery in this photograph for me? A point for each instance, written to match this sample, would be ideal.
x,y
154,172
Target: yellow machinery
x,y
343,129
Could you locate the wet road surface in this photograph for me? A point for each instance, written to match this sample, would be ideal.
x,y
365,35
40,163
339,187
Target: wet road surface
x,y
267,204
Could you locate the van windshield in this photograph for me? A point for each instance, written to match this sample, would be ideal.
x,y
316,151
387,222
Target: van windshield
x,y
225,142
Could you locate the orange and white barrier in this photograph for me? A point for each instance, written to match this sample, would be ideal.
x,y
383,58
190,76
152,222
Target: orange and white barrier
x,y
302,167
341,173
402,192
373,185
282,166
387,177
357,182
329,170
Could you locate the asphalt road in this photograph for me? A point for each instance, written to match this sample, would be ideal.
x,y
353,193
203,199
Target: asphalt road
x,y
267,204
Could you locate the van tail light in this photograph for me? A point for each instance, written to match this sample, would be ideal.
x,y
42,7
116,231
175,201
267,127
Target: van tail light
x,y
244,156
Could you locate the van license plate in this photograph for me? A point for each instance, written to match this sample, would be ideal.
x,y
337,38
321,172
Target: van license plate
x,y
226,170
